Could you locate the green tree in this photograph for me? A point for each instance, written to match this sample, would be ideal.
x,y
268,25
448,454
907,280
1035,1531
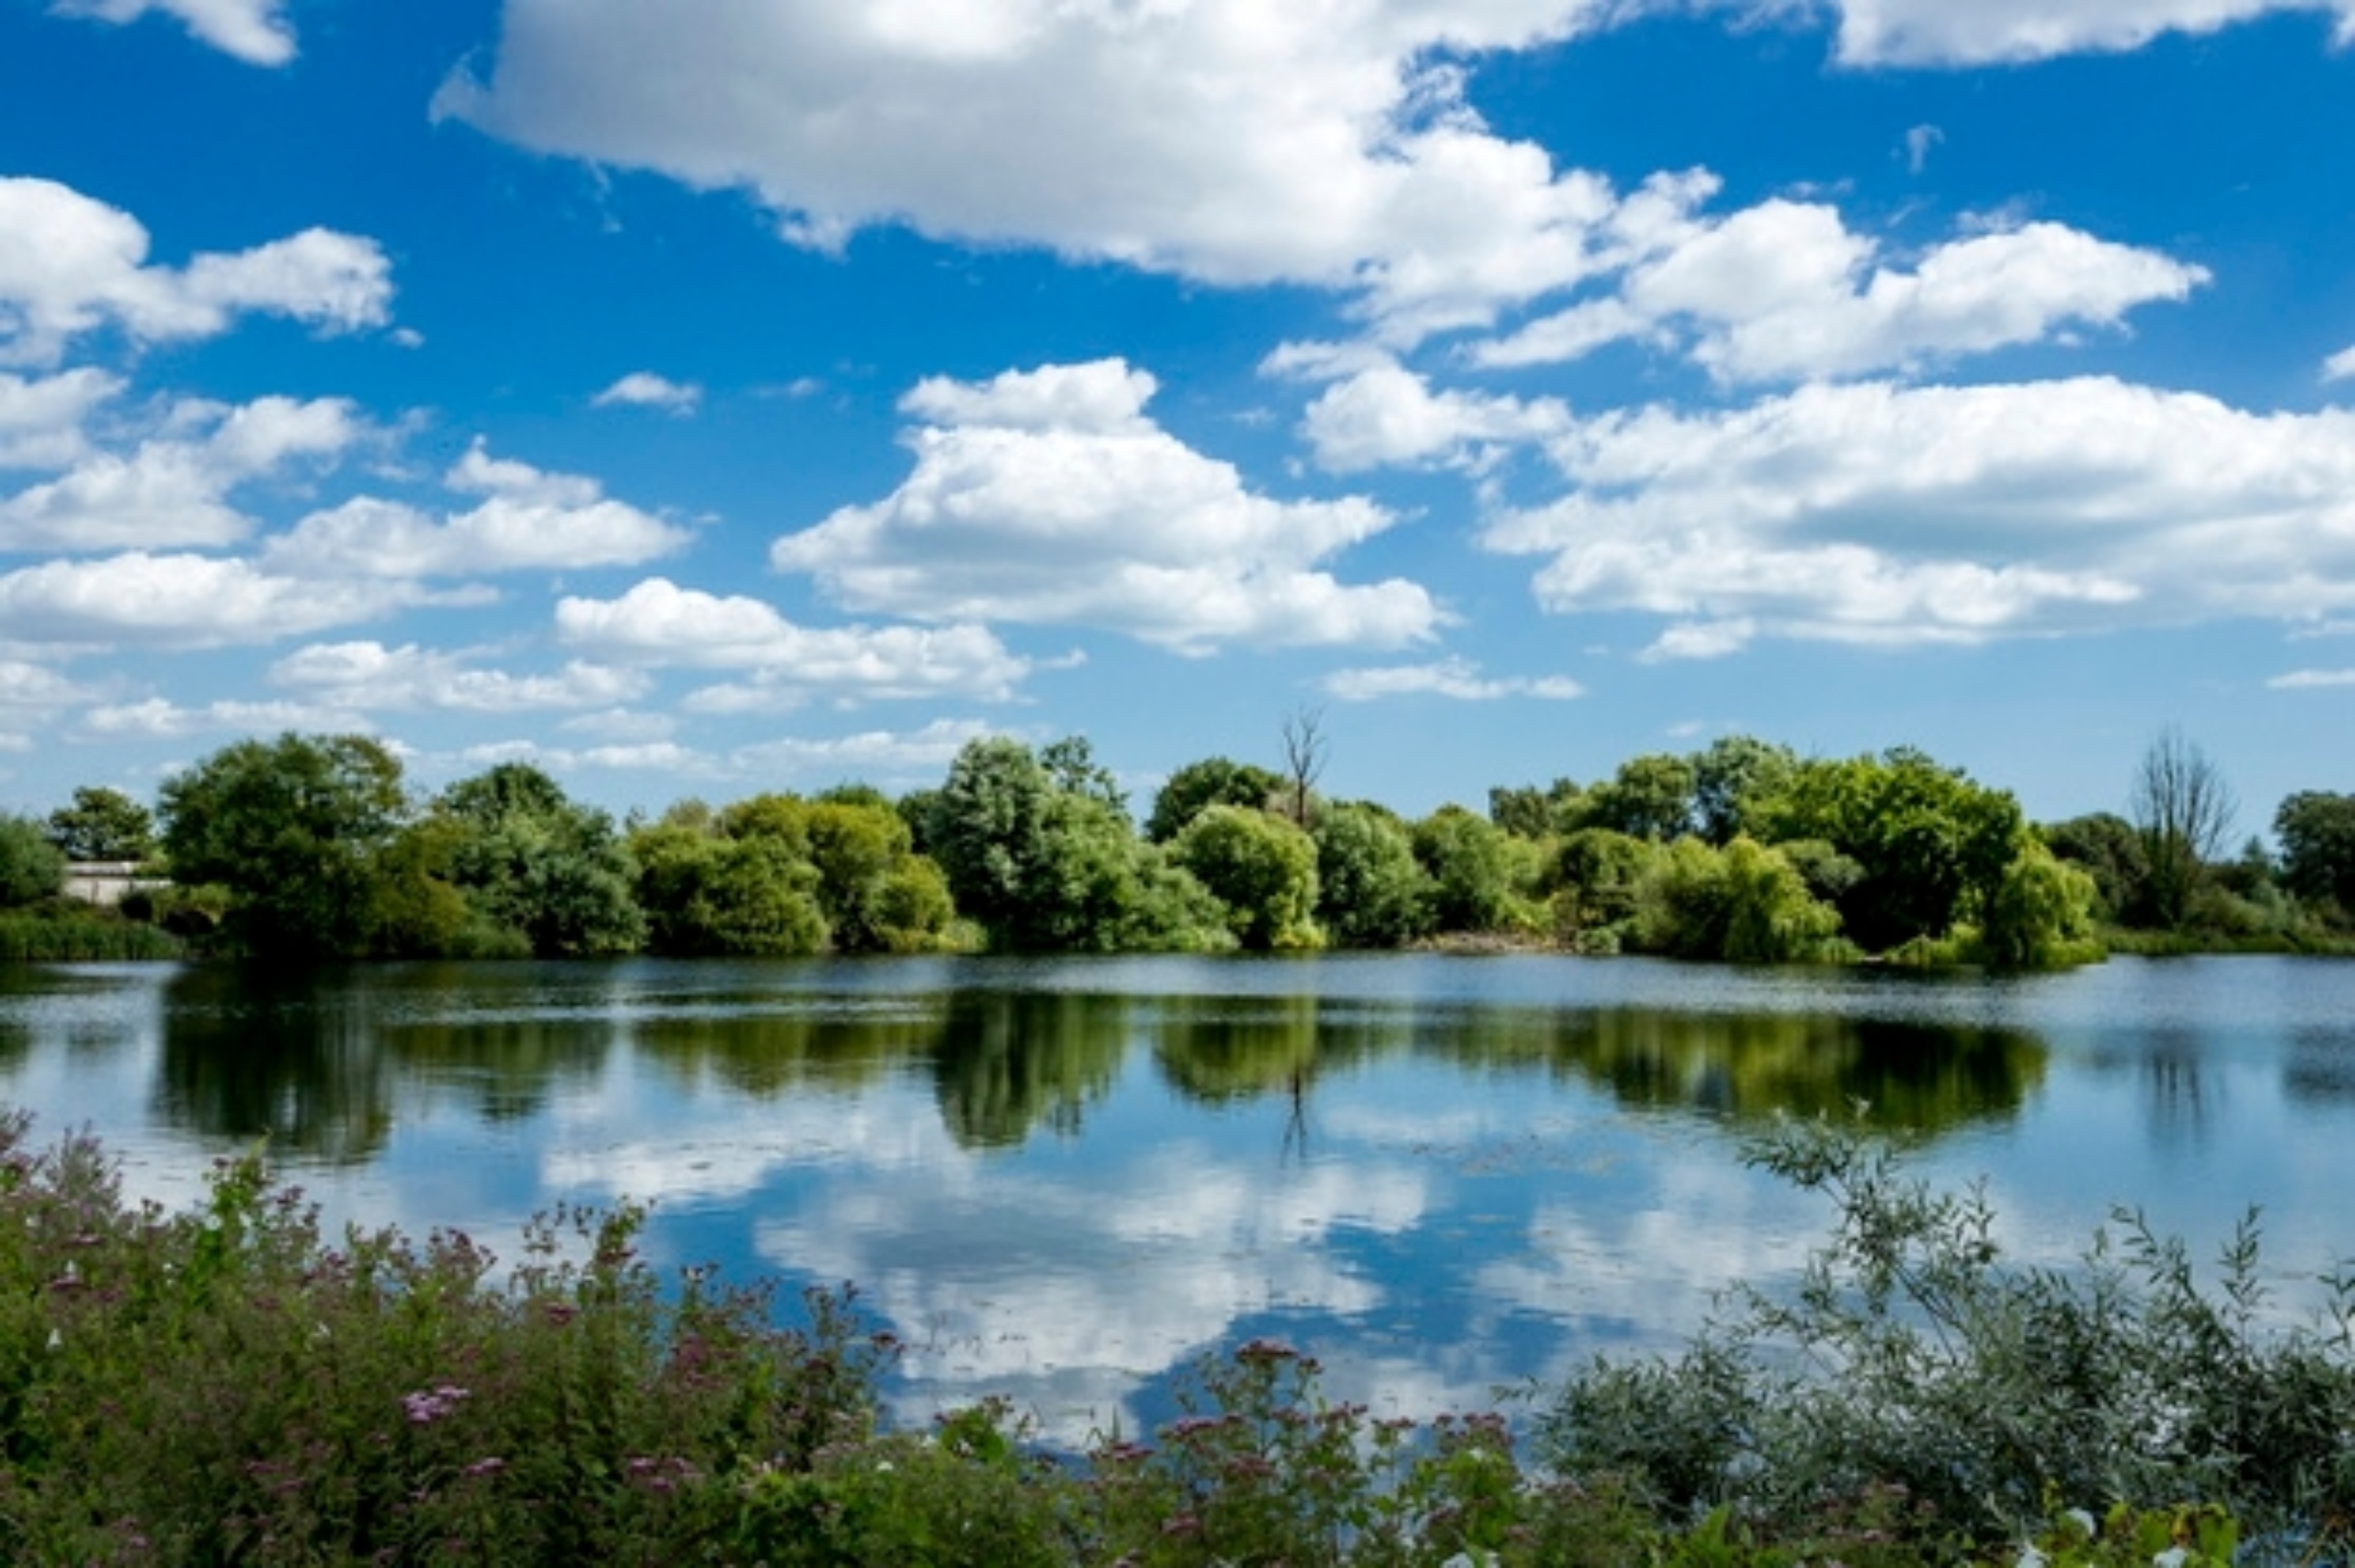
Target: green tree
x,y
1650,796
2316,833
1371,892
1732,779
989,829
1472,866
1262,868
1744,904
1933,845
1529,812
1594,881
102,824
877,895
1048,869
296,830
1212,781
2042,916
535,862
31,868
707,895
2105,847
1072,763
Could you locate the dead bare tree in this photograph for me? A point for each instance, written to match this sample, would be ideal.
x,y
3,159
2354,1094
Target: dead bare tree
x,y
1305,746
2183,809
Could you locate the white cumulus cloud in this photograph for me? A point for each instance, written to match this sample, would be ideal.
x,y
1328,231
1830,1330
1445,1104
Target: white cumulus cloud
x,y
370,676
151,601
1049,497
173,489
659,623
2339,366
255,31
70,264
529,520
644,389
159,718
1459,680
1786,290
1232,140
1388,415
42,418
1884,514
1982,32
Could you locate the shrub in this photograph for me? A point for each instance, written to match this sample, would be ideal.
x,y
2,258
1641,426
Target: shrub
x,y
1910,1355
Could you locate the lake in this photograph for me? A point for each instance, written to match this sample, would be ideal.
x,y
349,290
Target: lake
x,y
1064,1180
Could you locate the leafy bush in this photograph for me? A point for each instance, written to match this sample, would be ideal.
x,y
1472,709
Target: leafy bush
x,y
1911,1354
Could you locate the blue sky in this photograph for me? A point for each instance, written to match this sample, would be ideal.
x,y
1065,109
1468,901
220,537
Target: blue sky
x,y
712,397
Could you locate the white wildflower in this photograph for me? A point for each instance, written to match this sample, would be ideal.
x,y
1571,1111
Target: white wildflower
x,y
2173,1557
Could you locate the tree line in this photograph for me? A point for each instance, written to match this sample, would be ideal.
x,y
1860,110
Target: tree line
x,y
316,846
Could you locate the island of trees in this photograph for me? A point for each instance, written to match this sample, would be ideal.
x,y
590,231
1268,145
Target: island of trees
x,y
315,847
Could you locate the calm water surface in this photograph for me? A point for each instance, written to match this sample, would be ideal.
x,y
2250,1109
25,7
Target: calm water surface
x,y
1063,1180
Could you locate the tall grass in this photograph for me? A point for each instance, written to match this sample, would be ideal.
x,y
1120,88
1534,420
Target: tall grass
x,y
81,939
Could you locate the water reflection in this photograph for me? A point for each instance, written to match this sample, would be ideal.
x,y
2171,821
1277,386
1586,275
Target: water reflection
x,y
1924,1078
313,1061
294,1060
2321,1067
1008,1063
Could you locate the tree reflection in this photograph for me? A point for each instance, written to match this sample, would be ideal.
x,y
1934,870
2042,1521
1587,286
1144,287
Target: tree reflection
x,y
1007,1062
758,1047
1738,1065
293,1058
507,1067
2321,1067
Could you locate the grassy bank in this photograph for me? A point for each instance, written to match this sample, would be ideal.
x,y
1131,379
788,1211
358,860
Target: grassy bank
x,y
70,933
231,1385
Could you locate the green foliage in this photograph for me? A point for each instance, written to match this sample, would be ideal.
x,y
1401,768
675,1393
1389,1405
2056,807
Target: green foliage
x,y
2317,832
533,863
1476,870
1650,796
296,830
2042,916
1262,868
1072,763
1933,845
31,868
102,824
1732,780
704,895
1371,892
1911,1354
1743,904
1044,868
877,895
229,1386
1532,813
1595,878
75,935
2105,847
1212,781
